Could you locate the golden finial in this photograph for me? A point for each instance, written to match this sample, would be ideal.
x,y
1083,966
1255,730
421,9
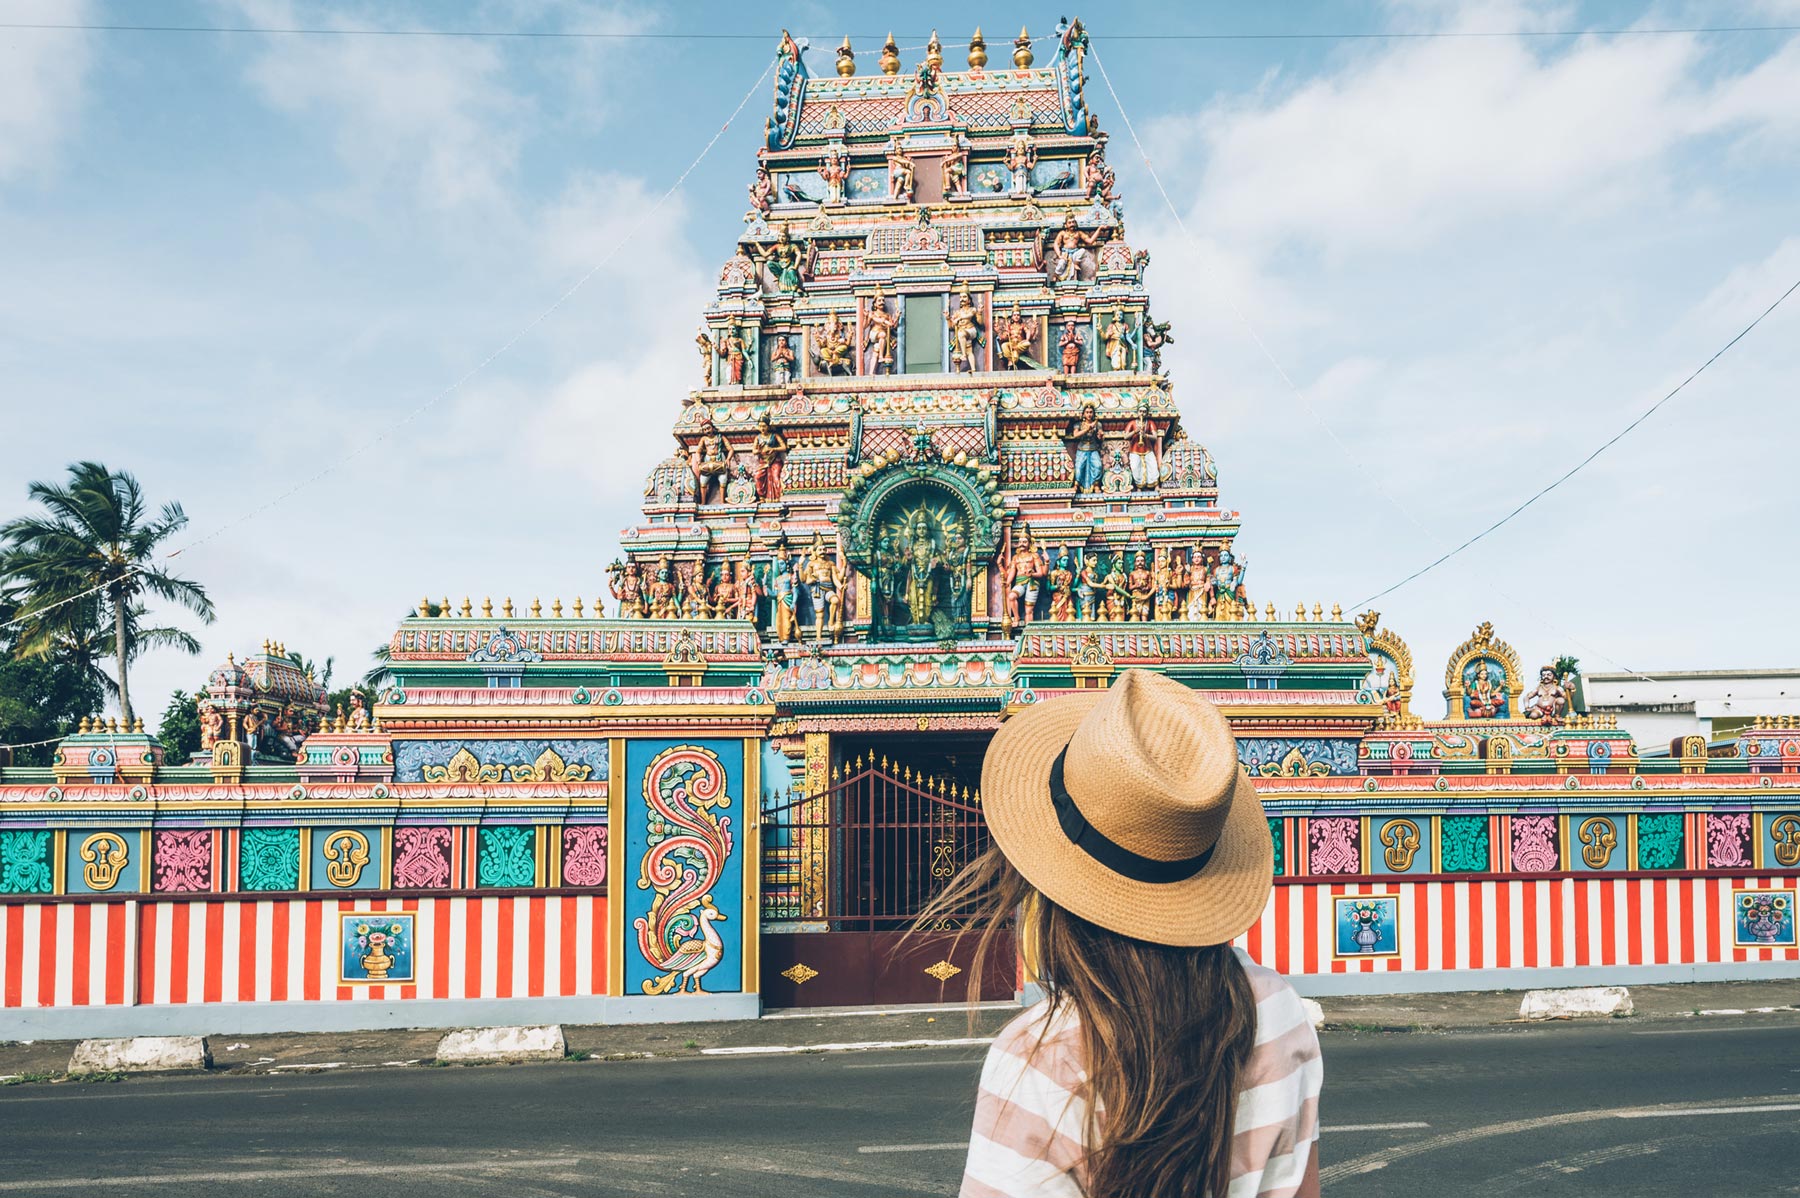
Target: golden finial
x,y
1337,614
139,726
537,609
506,608
934,52
1299,612
884,761
487,608
424,611
835,775
266,642
1318,613
1022,56
1268,611
84,726
846,59
112,724
578,607
890,57
977,51
556,608
467,608
444,608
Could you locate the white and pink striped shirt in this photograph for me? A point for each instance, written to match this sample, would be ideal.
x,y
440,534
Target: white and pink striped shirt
x,y
1029,1139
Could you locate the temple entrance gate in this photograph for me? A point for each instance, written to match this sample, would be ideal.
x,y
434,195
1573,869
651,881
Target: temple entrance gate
x,y
846,871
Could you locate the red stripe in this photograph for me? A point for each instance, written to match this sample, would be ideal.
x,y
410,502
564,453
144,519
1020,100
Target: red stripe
x,y
1707,898
1503,917
1634,927
146,971
1448,931
1659,920
1282,905
570,923
116,947
278,952
1476,953
213,964
80,953
181,917
1684,889
503,964
1528,914
472,950
601,964
1730,920
1309,926
309,975
1609,924
13,975
246,981
1579,888
1332,892
47,947
535,952
440,947
1423,896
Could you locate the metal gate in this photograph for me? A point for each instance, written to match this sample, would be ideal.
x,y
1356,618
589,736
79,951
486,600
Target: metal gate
x,y
845,874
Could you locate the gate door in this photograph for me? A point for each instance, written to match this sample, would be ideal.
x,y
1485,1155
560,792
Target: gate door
x,y
847,871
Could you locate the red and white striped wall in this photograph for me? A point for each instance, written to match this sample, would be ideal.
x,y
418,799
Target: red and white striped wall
x,y
180,952
1552,923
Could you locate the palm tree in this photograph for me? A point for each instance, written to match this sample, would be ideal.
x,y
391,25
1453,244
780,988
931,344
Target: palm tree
x,y
78,572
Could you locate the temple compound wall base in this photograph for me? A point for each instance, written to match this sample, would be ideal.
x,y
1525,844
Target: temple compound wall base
x,y
933,473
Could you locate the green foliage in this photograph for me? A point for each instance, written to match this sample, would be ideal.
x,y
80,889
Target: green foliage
x,y
179,731
77,573
339,700
42,698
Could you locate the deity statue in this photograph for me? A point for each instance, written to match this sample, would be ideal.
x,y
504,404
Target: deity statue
x,y
664,595
1548,701
1197,589
957,560
704,344
834,170
1155,337
1117,339
711,461
922,564
1226,587
1086,440
853,451
1140,585
1016,335
771,449
1143,448
1383,682
1071,250
878,335
1023,568
781,361
956,171
965,333
1062,587
1021,158
786,262
1168,574
736,353
890,564
823,575
1117,589
1088,586
1100,177
1483,698
748,590
900,176
359,714
696,591
626,582
831,348
723,596
762,192
1073,345
784,595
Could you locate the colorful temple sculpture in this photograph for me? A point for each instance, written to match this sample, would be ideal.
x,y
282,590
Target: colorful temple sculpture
x,y
933,471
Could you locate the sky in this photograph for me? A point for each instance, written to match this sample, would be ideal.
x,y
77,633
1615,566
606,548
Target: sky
x,y
405,316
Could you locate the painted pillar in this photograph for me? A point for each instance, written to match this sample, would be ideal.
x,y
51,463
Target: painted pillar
x,y
815,845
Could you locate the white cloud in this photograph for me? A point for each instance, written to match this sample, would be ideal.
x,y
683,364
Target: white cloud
x,y
42,78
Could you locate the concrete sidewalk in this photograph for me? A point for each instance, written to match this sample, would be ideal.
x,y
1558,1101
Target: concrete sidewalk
x,y
801,1030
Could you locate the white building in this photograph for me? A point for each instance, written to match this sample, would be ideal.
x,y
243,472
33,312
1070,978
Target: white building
x,y
1660,706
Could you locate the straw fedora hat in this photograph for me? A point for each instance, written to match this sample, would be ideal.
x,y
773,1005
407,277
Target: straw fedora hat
x,y
1128,807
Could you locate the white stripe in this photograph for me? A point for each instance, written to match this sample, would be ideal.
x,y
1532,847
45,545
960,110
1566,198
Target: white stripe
x,y
196,952
1278,1014
1463,933
28,961
100,926
1515,941
227,965
1621,898
296,950
1278,1173
1030,1090
521,946
1566,910
162,953
1406,931
553,942
1671,921
1012,1173
63,985
1278,1102
584,944
489,948
1490,946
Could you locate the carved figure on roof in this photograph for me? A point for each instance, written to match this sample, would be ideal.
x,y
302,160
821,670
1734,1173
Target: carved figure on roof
x,y
1061,581
1073,346
735,353
1143,447
831,347
1548,701
878,335
212,721
1089,586
359,713
784,595
711,461
1383,681
823,574
956,171
781,361
748,589
695,590
965,333
664,594
1117,591
958,559
771,450
1484,694
990,425
1085,439
704,344
853,451
722,598
1197,588
1021,160
1100,177
1226,587
1117,339
922,563
1072,252
1168,575
762,192
785,260
1016,336
1140,585
900,176
1023,568
834,170
1155,337
625,581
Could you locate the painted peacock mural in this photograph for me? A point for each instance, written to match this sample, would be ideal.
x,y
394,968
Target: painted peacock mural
x,y
688,845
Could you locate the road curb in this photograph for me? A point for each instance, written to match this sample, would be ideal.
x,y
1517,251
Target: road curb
x,y
1580,1002
140,1054
544,1043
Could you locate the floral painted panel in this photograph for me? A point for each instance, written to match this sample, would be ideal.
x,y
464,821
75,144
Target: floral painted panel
x,y
1280,847
422,858
25,866
1334,844
507,857
502,760
1534,844
584,856
181,861
269,859
1297,757
1659,839
1728,839
1463,843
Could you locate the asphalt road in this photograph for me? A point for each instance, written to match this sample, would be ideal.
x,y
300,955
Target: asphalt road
x,y
1551,1110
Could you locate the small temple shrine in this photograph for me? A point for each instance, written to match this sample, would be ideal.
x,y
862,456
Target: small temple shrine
x,y
932,470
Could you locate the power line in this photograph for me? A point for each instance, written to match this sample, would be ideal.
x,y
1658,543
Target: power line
x,y
1577,467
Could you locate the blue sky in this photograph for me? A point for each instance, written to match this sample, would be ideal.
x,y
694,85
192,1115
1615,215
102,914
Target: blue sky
x,y
229,262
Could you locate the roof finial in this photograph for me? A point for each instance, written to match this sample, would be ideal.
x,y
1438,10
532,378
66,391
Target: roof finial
x,y
977,51
846,59
934,52
1022,56
890,57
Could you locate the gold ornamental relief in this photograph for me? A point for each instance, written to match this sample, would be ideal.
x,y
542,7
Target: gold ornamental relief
x,y
1785,832
1598,836
800,973
346,855
1399,843
105,857
943,971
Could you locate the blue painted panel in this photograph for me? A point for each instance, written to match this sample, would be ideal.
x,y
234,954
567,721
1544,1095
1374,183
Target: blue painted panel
x,y
682,812
1597,842
1781,839
346,858
102,861
587,760
1400,844
1275,756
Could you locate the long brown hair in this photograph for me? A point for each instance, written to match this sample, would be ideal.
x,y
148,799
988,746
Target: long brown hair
x,y
1165,1031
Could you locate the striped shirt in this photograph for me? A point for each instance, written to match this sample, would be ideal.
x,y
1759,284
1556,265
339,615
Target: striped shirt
x,y
1031,1119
